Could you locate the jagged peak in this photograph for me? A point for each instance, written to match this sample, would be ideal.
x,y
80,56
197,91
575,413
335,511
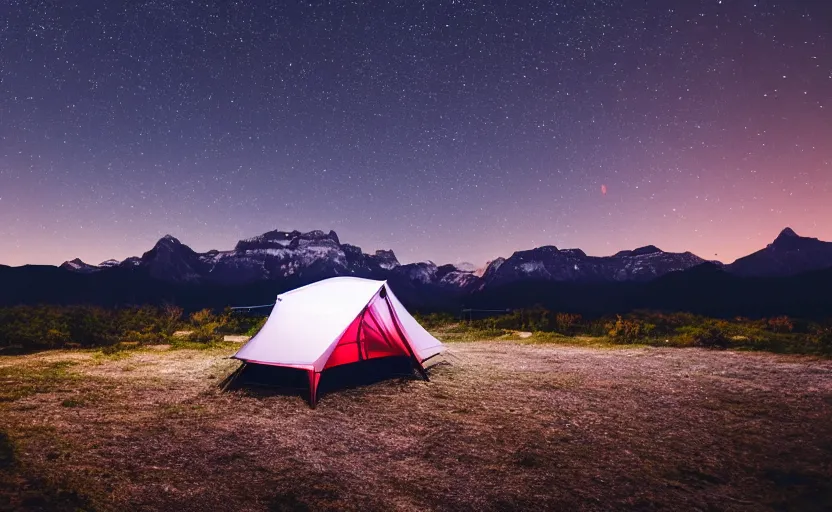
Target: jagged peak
x,y
493,265
788,239
788,233
387,255
167,244
169,239
289,237
78,264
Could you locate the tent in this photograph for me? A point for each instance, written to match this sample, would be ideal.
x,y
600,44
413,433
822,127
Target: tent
x,y
338,321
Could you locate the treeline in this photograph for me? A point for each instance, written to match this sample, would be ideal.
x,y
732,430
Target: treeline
x,y
778,333
704,290
28,328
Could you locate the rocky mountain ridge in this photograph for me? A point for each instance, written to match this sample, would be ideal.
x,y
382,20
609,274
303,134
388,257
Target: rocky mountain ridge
x,y
788,255
314,255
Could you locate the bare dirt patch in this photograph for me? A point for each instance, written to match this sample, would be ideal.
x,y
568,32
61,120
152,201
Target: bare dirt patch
x,y
236,339
503,426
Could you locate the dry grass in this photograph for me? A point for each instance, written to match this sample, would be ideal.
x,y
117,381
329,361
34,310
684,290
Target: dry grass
x,y
504,426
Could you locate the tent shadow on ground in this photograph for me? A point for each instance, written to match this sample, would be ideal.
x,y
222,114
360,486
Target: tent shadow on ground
x,y
264,380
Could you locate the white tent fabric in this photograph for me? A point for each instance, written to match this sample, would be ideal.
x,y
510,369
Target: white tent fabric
x,y
424,345
306,324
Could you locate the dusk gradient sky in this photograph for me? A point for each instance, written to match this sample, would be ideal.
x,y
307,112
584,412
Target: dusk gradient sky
x,y
444,130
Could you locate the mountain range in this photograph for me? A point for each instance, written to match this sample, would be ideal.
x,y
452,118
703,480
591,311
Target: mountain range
x,y
316,255
280,260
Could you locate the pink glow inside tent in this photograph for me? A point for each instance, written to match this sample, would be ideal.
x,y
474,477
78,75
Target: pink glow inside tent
x,y
338,321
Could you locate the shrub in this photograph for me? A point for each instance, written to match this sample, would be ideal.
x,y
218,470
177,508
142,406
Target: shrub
x,y
597,328
170,319
823,338
90,326
255,327
56,338
206,327
202,317
43,327
629,330
205,334
148,336
780,324
434,320
711,336
566,323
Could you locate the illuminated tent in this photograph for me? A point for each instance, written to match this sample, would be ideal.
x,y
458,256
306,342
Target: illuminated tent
x,y
338,321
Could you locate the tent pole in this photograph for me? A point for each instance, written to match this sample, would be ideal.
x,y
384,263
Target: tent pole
x,y
380,330
314,378
395,318
358,336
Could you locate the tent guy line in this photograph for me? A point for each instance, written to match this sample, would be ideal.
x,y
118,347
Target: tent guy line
x,y
253,307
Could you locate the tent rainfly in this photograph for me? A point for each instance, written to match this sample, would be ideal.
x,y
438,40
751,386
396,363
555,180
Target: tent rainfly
x,y
338,321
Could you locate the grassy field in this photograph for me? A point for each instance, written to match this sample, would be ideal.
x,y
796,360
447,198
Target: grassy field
x,y
503,425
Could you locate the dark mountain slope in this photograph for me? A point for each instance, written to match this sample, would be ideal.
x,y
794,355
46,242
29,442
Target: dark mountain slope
x,y
788,255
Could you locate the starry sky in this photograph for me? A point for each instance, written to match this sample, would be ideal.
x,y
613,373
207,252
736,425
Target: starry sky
x,y
447,130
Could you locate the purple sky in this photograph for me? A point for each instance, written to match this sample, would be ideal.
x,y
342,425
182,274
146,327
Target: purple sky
x,y
447,130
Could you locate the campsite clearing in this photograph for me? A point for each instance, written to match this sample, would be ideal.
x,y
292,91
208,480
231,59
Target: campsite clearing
x,y
504,426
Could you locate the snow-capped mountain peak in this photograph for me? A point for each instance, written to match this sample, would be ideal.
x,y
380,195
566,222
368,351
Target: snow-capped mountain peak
x,y
313,255
465,266
78,265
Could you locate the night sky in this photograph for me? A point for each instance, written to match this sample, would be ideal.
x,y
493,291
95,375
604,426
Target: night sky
x,y
453,130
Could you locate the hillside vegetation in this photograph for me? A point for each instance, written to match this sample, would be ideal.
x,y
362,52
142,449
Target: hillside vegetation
x,y
32,328
776,334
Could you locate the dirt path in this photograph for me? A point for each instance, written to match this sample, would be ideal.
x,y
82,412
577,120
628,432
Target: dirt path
x,y
504,426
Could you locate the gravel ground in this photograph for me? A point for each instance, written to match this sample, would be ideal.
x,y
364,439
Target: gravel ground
x,y
501,426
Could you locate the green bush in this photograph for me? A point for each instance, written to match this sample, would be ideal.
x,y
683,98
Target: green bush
x,y
255,327
710,336
206,327
44,327
566,323
28,328
435,320
463,327
625,330
534,319
823,339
